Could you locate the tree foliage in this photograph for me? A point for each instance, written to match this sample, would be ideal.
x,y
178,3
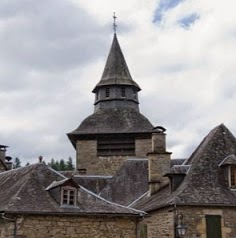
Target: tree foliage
x,y
16,163
62,165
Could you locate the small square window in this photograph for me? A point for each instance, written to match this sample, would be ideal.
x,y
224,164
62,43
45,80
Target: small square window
x,y
68,197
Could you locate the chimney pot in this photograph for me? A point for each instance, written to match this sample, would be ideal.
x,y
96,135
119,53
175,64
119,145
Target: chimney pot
x,y
40,159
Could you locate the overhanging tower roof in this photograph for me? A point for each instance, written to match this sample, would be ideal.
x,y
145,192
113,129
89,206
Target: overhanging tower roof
x,y
116,71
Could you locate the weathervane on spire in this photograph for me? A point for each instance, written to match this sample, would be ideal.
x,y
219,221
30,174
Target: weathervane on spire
x,y
114,23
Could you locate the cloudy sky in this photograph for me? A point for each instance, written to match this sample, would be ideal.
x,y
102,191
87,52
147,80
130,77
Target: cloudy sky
x,y
182,53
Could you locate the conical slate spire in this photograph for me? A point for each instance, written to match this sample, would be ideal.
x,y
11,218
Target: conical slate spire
x,y
116,70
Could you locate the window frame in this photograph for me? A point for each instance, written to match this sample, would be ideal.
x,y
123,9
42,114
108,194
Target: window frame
x,y
232,176
68,194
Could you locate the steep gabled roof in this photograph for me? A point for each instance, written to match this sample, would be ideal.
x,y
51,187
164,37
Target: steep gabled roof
x,y
35,189
116,70
204,183
23,189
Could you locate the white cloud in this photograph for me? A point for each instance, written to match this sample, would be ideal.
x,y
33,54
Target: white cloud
x,y
53,54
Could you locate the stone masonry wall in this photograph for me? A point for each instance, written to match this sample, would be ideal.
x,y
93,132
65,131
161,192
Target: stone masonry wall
x,y
86,154
142,147
2,168
69,227
160,224
195,219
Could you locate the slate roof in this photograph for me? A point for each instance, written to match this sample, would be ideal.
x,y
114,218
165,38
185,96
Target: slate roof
x,y
113,121
24,191
204,184
116,70
94,183
129,183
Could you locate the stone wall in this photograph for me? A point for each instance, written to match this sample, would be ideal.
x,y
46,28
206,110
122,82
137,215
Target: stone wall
x,y
86,154
142,147
69,227
195,219
160,224
2,167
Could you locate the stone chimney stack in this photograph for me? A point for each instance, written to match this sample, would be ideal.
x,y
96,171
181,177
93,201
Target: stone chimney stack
x,y
3,166
158,161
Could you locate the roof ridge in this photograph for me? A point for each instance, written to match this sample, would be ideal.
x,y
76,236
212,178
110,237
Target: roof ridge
x,y
205,142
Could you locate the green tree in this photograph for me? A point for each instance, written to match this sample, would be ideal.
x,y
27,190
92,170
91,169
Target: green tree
x,y
61,165
16,163
69,164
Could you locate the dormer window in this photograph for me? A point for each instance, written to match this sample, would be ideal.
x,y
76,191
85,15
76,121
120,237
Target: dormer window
x,y
228,166
232,176
107,92
68,196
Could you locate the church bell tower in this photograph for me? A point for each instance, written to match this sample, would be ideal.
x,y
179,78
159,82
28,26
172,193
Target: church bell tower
x,y
116,130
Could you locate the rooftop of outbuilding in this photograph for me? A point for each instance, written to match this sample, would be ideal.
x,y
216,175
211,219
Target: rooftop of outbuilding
x,y
29,190
204,184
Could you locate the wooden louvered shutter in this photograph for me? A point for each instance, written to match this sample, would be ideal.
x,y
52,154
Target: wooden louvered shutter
x,y
213,226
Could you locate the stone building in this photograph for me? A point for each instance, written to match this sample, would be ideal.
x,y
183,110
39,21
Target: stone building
x,y
200,193
37,202
126,184
116,130
124,159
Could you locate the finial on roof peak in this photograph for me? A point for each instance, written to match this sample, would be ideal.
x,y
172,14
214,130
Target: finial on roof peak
x,y
114,22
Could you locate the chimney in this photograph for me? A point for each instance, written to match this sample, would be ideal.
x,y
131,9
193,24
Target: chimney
x,y
3,157
40,159
158,161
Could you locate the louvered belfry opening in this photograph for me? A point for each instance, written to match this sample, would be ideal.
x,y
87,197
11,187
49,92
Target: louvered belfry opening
x,y
108,146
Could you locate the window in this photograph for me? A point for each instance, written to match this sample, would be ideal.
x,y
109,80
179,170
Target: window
x,y
134,94
107,92
69,196
232,176
96,95
123,93
213,226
